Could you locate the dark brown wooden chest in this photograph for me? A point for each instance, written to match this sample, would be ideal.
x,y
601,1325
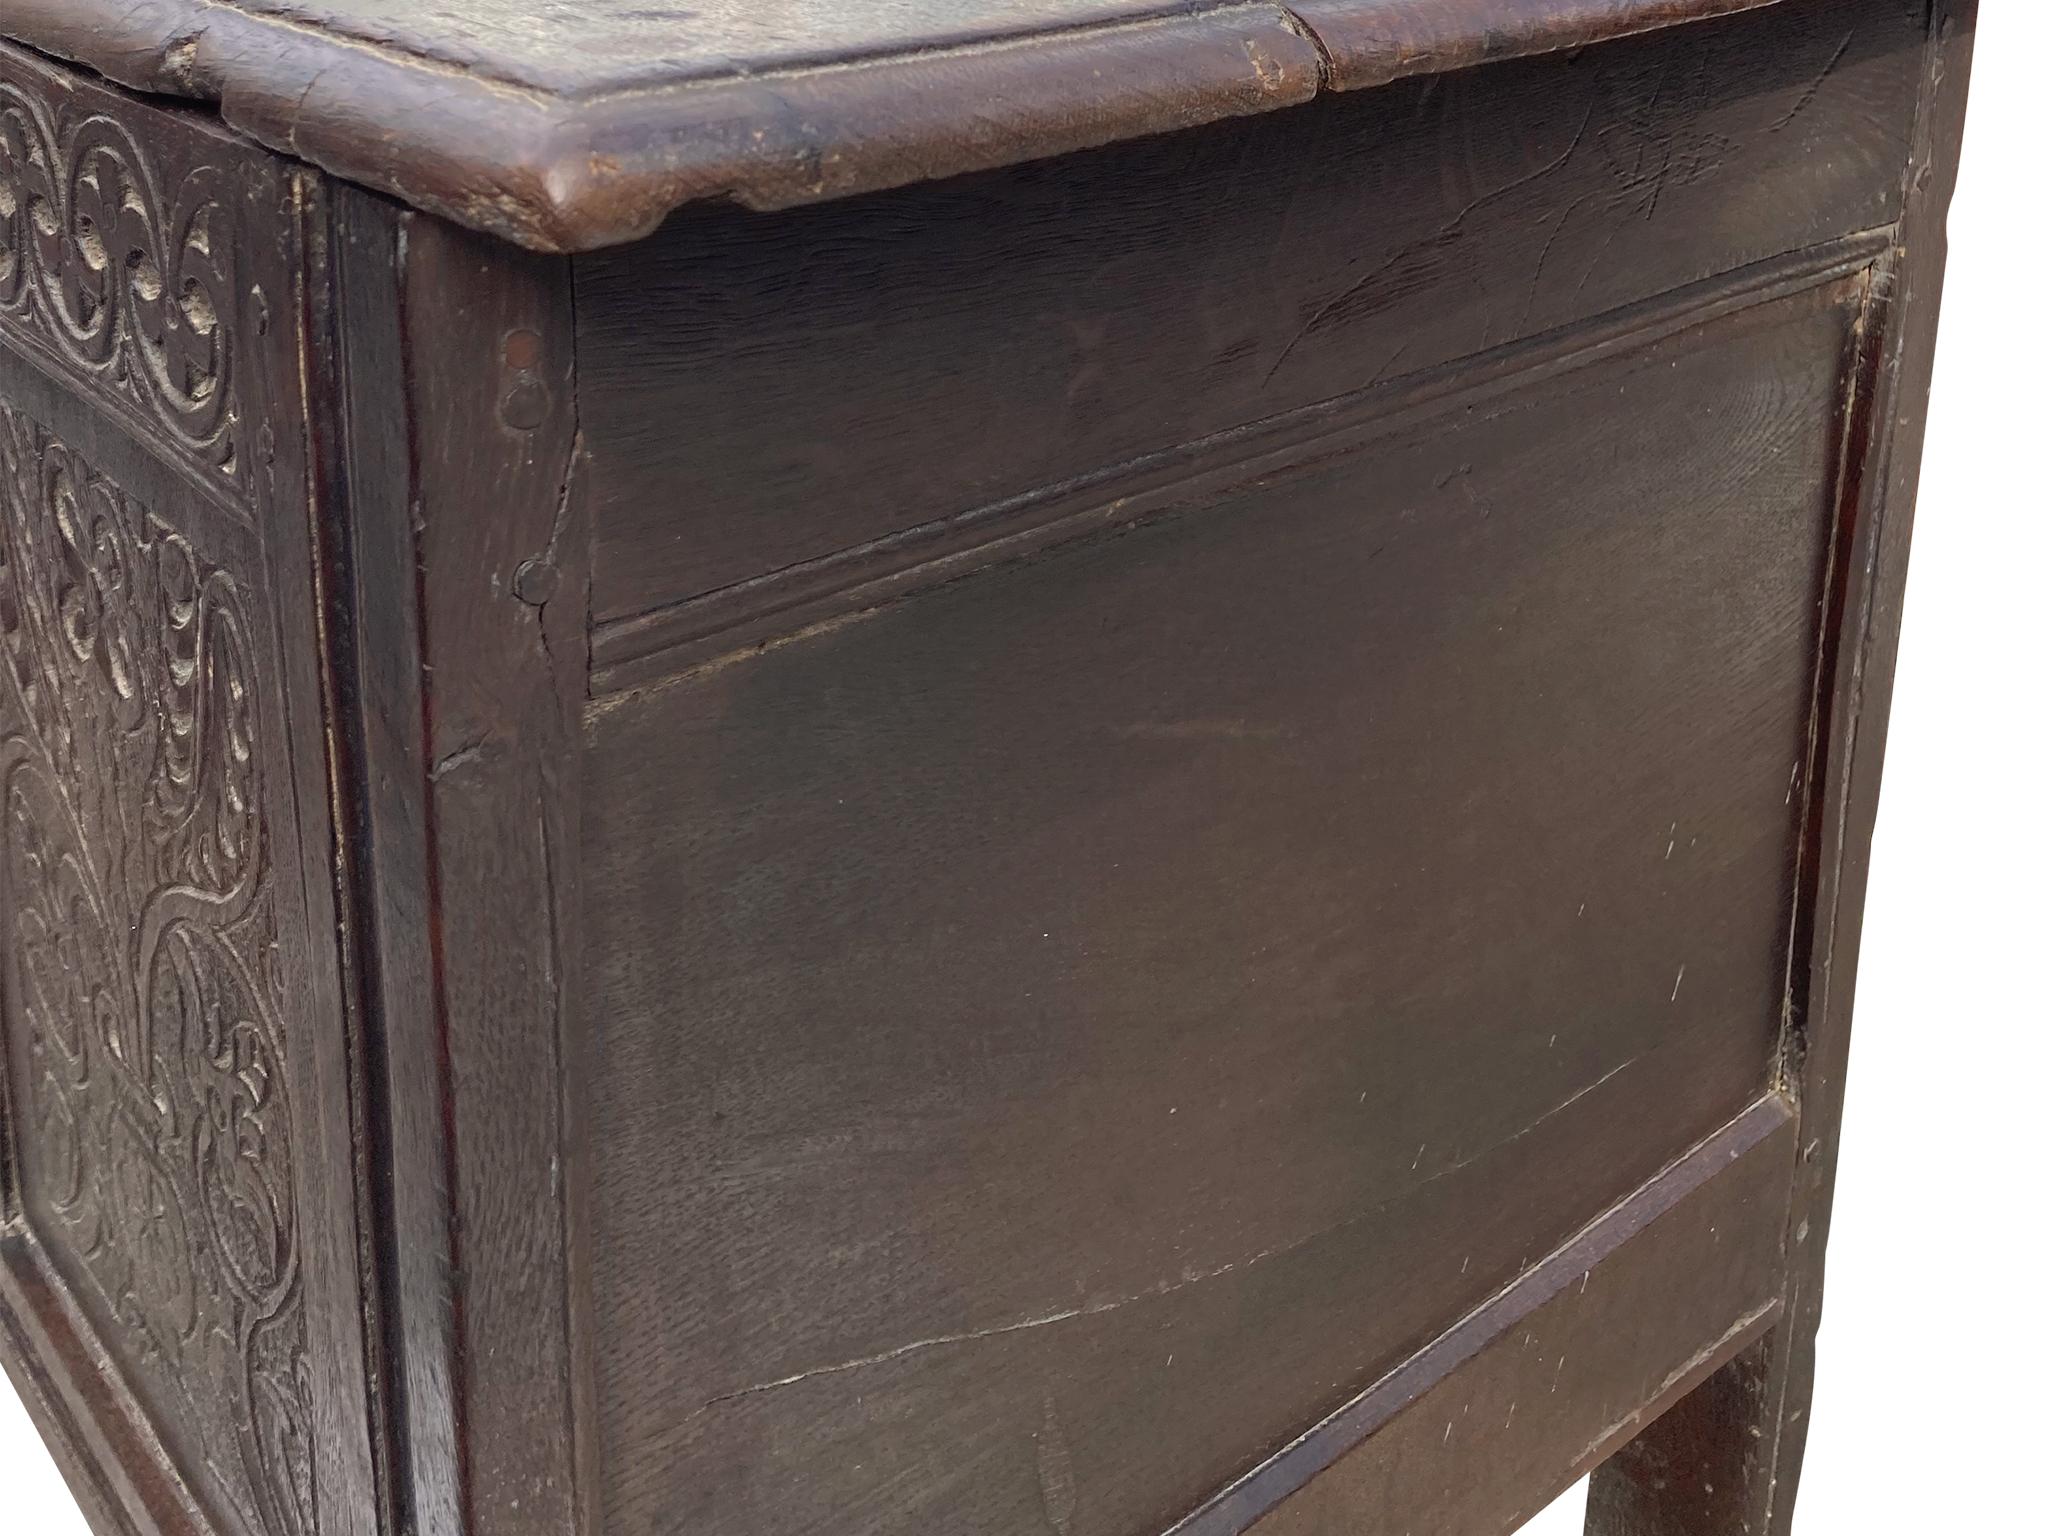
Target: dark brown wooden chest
x,y
945,770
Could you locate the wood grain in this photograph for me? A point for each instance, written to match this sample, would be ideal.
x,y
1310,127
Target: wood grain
x,y
652,648
379,745
182,1204
1032,987
761,393
458,654
1160,841
1548,1377
571,128
1728,1459
480,809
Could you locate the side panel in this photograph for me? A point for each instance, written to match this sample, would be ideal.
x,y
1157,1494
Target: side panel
x,y
181,1276
1057,1036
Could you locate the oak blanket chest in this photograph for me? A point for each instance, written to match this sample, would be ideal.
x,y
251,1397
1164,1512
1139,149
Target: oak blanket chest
x,y
958,768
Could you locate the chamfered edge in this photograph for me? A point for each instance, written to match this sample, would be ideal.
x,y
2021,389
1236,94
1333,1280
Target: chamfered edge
x,y
567,172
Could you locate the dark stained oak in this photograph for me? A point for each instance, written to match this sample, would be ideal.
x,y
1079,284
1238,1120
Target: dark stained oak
x,y
567,128
178,1068
1557,1375
963,832
606,46
1150,825
1730,1458
1060,320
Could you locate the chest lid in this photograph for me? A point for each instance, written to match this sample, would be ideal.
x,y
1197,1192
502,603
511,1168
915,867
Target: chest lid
x,y
571,124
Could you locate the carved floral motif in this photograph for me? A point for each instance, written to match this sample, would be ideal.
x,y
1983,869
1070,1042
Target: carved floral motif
x,y
125,279
145,989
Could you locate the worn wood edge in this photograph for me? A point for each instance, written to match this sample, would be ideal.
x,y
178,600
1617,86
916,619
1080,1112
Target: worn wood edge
x,y
493,538
1907,292
1739,1336
327,571
1375,42
1742,1439
1712,1464
640,651
93,1426
561,172
59,1433
411,760
360,513
329,1078
1466,1344
1881,495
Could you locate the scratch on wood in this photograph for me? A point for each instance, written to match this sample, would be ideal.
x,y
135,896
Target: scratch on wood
x,y
1655,1401
1806,97
1165,1288
1447,235
462,756
1056,1471
1543,256
1202,730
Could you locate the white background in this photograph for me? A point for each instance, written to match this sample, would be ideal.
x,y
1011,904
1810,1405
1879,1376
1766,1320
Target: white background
x,y
1929,1416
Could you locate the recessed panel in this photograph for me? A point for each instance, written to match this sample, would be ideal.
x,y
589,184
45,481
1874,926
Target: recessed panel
x,y
1056,1036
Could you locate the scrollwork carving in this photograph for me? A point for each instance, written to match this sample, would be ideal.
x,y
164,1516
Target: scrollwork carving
x,y
144,985
125,279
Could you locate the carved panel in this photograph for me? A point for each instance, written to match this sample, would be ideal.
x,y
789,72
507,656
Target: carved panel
x,y
115,266
147,994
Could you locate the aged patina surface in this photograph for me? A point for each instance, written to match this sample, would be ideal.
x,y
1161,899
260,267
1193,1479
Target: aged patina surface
x,y
571,126
973,766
